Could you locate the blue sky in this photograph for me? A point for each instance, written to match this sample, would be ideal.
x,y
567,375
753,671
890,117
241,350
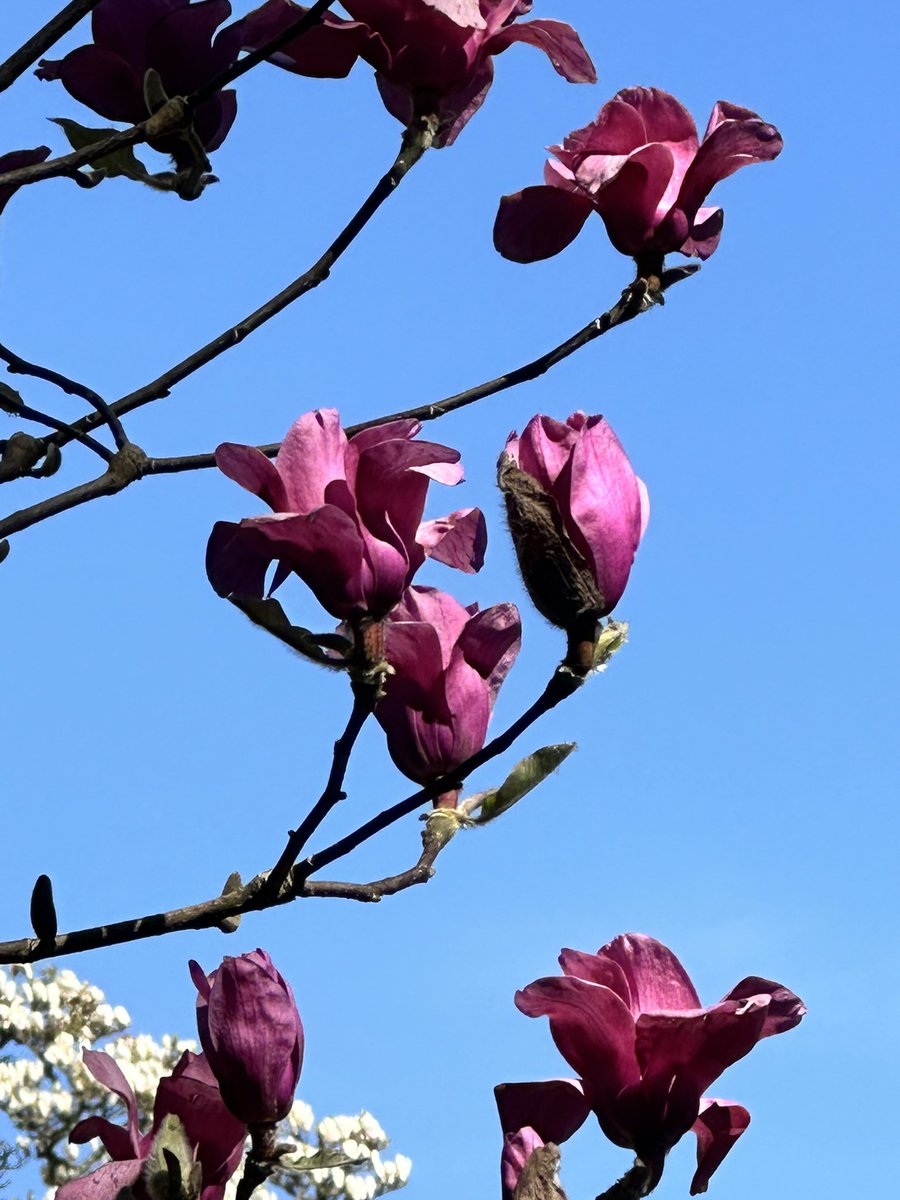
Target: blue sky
x,y
734,791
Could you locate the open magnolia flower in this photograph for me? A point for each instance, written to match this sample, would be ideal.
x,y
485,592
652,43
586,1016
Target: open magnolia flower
x,y
431,57
347,515
174,38
189,1120
640,166
448,663
628,1020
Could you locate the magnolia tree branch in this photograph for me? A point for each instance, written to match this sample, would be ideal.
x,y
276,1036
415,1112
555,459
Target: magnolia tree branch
x,y
16,365
631,304
223,910
31,51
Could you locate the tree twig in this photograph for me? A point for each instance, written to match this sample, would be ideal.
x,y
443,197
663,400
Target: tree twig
x,y
57,27
16,365
20,409
255,896
630,305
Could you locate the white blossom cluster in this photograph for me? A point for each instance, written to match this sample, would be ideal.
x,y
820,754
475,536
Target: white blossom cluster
x,y
48,1017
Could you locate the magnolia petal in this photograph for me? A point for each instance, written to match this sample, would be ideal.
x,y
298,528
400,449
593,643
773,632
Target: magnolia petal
x,y
100,79
630,200
466,13
662,117
705,233
538,222
718,1127
106,1183
192,1094
237,560
594,1032
457,540
12,162
107,1071
733,143
249,467
553,1108
656,979
326,51
490,643
312,455
596,968
456,109
559,42
784,1010
117,1141
545,447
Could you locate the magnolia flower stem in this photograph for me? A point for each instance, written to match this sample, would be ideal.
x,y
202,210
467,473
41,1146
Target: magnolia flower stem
x,y
633,1185
16,365
256,896
57,27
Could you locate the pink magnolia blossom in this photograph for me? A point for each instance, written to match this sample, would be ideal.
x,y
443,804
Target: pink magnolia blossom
x,y
639,165
579,477
448,664
189,1093
532,1114
431,57
251,1034
629,1022
347,515
175,38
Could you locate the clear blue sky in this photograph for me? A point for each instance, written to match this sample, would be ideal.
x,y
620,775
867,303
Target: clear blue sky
x,y
735,789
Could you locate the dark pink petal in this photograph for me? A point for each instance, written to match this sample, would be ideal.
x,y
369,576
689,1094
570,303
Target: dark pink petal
x,y
602,512
214,119
723,111
629,201
518,1148
616,132
103,81
538,222
656,979
718,1127
398,99
662,117
254,471
595,1033
106,1183
192,1094
325,549
490,643
458,540
733,143
108,1072
553,1108
705,233
327,50
460,12
456,108
431,607
312,455
12,162
405,427
180,47
544,448
560,43
122,25
784,1011
596,968
237,560
117,1142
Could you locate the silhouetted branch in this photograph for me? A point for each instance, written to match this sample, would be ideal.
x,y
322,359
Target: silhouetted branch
x,y
48,36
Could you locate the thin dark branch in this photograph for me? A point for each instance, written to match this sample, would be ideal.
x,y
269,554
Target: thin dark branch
x,y
68,164
415,142
56,27
311,17
630,305
256,896
364,698
16,365
125,466
28,413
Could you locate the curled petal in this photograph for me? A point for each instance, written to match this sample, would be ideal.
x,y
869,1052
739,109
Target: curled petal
x,y
597,968
733,142
553,1108
108,1072
490,643
718,1127
559,42
458,540
12,162
784,1010
249,467
327,50
538,222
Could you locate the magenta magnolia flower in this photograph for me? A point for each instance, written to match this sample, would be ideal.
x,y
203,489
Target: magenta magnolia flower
x,y
577,512
532,1114
347,515
12,162
628,1020
448,663
640,167
251,1034
190,1093
174,37
430,56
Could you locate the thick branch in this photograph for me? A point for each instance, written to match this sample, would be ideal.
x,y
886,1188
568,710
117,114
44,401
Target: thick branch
x,y
630,305
56,27
16,365
257,896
